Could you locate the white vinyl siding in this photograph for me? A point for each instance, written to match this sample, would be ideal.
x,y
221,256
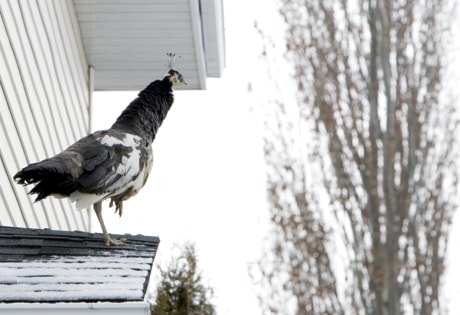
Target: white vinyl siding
x,y
126,41
44,104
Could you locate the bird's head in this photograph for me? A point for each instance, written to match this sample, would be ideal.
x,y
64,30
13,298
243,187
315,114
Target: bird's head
x,y
174,76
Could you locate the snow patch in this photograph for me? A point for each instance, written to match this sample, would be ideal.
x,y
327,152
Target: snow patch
x,y
75,278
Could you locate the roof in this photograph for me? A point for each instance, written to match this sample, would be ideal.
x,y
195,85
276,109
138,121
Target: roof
x,y
126,41
59,266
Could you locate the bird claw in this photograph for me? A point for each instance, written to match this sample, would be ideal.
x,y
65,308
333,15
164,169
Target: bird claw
x,y
112,242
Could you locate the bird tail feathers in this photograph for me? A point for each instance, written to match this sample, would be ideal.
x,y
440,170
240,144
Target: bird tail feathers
x,y
49,177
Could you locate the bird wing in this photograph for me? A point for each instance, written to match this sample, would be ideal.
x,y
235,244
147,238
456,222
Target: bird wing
x,y
111,160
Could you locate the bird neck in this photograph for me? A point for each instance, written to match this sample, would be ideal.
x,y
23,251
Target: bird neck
x,y
145,114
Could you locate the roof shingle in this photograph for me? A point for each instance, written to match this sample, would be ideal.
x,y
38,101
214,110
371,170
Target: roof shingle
x,y
58,266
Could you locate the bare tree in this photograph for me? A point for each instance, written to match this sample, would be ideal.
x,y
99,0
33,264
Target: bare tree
x,y
375,122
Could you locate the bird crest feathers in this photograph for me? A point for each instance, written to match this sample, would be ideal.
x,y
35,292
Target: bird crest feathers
x,y
171,60
175,77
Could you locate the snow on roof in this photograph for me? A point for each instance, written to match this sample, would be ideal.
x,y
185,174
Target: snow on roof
x,y
57,266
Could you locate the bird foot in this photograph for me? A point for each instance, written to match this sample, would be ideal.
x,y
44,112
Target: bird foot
x,y
112,242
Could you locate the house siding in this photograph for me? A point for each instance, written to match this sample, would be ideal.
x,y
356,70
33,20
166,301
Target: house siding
x,y
44,104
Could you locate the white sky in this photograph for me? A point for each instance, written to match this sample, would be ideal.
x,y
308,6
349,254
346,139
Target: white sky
x,y
206,186
208,183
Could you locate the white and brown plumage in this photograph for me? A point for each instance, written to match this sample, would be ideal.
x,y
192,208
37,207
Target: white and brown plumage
x,y
109,164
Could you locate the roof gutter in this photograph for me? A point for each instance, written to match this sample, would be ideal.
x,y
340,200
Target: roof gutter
x,y
103,308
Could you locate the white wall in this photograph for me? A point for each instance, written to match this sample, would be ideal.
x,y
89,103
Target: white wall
x,y
44,104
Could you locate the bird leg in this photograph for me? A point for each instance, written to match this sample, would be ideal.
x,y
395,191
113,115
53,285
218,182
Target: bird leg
x,y
107,239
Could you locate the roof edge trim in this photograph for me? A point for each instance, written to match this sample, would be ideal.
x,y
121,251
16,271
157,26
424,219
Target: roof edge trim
x,y
197,25
65,306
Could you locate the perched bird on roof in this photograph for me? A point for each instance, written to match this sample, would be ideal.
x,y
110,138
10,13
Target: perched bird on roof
x,y
109,164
